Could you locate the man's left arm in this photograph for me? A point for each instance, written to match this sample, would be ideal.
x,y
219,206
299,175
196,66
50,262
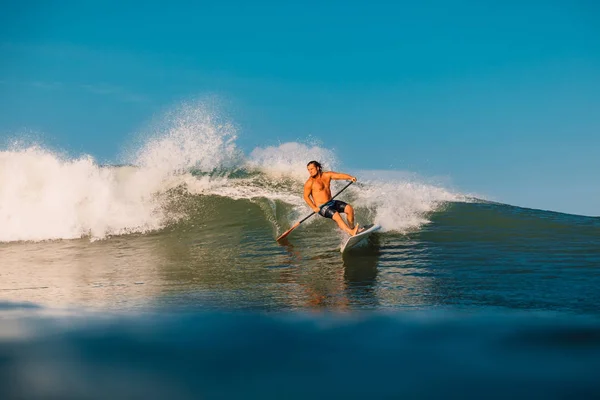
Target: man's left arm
x,y
340,176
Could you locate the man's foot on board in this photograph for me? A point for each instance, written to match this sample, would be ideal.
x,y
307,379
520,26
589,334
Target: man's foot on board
x,y
356,230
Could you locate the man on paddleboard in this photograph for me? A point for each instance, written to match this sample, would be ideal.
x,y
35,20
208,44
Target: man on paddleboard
x,y
318,187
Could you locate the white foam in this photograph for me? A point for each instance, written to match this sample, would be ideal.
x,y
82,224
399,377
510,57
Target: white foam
x,y
402,205
45,196
191,137
288,160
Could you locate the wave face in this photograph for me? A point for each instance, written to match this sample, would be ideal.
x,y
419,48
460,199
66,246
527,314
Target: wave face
x,y
46,196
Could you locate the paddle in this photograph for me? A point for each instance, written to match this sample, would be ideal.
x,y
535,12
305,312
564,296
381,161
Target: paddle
x,y
297,224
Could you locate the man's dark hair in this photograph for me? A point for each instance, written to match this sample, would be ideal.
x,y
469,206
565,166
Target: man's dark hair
x,y
316,164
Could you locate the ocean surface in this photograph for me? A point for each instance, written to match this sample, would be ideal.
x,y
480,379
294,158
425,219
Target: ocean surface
x,y
161,277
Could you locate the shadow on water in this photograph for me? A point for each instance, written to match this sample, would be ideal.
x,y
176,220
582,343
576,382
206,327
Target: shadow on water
x,y
293,254
360,274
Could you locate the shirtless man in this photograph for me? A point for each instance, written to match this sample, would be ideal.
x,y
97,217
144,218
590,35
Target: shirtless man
x,y
317,187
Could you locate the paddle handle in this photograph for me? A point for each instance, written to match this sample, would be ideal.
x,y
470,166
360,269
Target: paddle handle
x,y
308,216
344,188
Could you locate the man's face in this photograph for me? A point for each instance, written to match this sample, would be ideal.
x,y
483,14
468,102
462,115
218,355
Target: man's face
x,y
312,170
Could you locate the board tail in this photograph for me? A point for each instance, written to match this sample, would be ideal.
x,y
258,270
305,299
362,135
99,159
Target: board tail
x,y
352,241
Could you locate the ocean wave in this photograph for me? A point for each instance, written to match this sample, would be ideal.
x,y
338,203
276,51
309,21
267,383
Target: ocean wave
x,y
45,196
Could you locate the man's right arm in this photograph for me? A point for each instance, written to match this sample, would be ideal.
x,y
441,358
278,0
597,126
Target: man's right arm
x,y
307,199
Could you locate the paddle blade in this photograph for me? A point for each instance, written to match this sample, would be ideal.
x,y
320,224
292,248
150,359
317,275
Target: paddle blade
x,y
288,231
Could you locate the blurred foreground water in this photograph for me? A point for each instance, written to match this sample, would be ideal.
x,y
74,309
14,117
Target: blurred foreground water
x,y
68,354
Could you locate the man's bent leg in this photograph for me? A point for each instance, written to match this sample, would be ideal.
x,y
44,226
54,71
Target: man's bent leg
x,y
349,215
342,224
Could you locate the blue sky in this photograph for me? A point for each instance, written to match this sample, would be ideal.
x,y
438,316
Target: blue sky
x,y
501,98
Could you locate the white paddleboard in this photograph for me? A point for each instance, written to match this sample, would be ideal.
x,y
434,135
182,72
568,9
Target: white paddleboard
x,y
355,240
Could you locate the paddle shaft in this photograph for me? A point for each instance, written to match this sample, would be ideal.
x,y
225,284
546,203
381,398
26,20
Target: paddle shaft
x,y
308,216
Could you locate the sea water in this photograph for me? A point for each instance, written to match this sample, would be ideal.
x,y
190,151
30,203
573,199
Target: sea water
x,y
161,277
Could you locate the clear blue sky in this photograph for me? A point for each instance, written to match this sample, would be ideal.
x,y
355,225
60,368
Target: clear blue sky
x,y
502,97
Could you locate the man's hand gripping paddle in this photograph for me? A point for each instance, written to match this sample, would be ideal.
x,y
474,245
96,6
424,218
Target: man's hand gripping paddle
x,y
297,224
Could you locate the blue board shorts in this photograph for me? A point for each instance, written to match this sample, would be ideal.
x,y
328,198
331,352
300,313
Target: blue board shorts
x,y
329,209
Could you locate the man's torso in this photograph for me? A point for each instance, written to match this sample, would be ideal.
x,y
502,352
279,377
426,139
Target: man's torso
x,y
320,189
